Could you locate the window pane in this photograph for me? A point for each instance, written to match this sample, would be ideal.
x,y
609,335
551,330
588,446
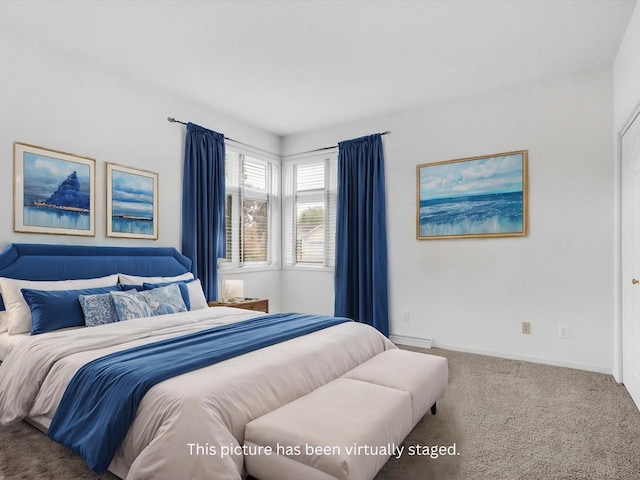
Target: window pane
x,y
310,233
252,197
254,234
228,215
310,177
255,175
309,211
231,164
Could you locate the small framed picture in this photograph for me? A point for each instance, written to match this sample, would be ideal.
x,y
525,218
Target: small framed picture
x,y
484,196
132,202
54,192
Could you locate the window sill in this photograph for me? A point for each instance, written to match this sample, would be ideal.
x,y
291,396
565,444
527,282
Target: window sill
x,y
308,268
247,269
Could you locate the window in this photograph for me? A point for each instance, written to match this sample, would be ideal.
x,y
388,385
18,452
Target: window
x,y
310,213
251,211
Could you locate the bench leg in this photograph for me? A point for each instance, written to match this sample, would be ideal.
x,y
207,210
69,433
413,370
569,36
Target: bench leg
x,y
433,409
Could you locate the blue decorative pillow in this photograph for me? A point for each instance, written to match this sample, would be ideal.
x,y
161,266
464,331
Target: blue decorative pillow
x,y
182,285
130,305
129,288
164,300
98,309
55,309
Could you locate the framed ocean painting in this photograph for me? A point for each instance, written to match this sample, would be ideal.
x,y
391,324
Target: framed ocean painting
x,y
132,202
473,197
54,192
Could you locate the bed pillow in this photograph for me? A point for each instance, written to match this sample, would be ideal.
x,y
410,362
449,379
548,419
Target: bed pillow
x,y
130,305
4,322
196,295
148,303
191,291
4,316
164,300
131,288
55,309
136,280
184,291
98,309
19,314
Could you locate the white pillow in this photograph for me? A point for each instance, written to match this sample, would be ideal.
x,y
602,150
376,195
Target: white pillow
x,y
196,295
136,280
4,321
18,312
4,318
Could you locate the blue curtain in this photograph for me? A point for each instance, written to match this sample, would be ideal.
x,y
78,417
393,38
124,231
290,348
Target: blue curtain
x,y
203,201
361,280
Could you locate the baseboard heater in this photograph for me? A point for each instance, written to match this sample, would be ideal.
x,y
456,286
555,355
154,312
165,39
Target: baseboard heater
x,y
411,341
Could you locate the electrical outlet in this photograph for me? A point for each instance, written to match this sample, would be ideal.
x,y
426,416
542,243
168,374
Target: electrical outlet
x,y
563,331
405,315
526,328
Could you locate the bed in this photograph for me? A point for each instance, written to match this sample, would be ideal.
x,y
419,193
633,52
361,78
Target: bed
x,y
209,407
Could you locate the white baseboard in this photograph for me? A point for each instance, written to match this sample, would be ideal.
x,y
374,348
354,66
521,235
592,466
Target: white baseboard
x,y
411,341
526,358
429,343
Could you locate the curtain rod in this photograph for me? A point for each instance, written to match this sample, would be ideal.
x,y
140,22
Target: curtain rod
x,y
173,120
324,148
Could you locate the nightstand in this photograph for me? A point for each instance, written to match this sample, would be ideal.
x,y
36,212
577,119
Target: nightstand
x,y
257,304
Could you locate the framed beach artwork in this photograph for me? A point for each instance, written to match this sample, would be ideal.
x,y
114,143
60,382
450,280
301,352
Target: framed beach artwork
x,y
474,197
54,192
132,202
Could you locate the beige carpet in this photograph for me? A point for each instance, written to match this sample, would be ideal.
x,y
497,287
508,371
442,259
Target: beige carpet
x,y
509,420
516,420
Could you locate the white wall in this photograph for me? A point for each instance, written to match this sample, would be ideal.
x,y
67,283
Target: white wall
x,y
626,73
307,291
626,98
467,294
472,294
54,101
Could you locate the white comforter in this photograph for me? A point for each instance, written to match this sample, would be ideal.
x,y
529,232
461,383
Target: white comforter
x,y
208,407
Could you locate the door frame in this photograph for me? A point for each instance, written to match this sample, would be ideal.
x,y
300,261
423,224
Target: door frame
x,y
618,372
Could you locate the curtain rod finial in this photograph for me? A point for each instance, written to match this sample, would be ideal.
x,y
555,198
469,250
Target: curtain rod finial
x,y
173,120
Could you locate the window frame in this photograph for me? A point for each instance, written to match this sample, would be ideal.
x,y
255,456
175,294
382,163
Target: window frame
x,y
290,200
238,193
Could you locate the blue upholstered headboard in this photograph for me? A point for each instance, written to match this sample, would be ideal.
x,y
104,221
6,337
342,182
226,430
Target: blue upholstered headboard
x,y
64,262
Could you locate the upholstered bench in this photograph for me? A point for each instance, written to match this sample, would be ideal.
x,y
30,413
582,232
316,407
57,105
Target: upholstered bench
x,y
424,377
348,428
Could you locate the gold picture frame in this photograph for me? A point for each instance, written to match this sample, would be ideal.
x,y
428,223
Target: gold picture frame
x,y
132,202
53,191
475,197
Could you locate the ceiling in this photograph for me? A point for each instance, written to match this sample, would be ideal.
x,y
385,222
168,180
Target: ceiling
x,y
292,66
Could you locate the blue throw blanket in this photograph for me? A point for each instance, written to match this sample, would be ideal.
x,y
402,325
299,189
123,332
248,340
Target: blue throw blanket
x,y
101,400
